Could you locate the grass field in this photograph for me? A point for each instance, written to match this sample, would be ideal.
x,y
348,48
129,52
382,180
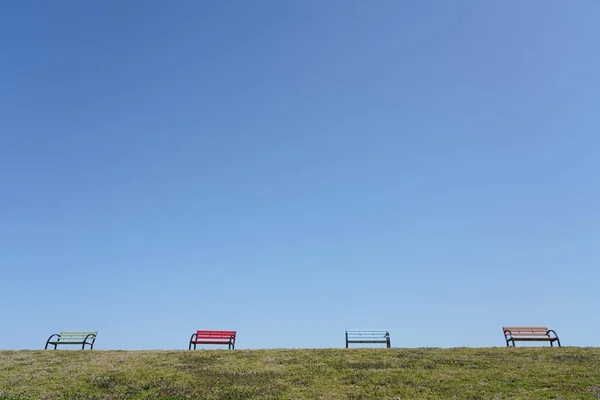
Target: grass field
x,y
492,373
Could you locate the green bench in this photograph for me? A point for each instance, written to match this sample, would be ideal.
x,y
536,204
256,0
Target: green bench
x,y
81,338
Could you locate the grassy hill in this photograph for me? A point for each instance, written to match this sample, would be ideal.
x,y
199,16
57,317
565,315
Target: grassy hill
x,y
494,373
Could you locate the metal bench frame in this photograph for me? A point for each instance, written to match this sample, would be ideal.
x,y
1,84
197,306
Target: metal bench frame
x,y
81,338
368,336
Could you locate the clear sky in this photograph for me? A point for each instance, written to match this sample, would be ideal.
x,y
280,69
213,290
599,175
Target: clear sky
x,y
290,169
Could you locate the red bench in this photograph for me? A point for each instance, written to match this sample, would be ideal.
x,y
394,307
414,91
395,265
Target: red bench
x,y
213,337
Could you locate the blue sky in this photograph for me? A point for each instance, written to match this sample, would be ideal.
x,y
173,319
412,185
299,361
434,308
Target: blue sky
x,y
292,169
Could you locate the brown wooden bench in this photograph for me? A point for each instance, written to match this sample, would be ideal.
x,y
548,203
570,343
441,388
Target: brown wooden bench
x,y
529,334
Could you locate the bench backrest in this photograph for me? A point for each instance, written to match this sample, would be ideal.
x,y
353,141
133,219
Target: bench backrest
x,y
75,336
216,335
525,331
367,334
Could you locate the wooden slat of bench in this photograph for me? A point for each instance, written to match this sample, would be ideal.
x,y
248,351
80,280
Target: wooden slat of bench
x,y
379,335
215,334
209,342
75,337
70,342
528,334
77,334
525,328
214,337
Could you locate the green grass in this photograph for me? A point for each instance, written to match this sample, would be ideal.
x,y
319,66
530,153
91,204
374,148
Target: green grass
x,y
463,373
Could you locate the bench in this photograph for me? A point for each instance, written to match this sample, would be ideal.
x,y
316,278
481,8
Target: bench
x,y
368,336
213,337
81,338
529,334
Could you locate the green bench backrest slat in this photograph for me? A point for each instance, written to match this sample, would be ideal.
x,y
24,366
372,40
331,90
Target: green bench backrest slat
x,y
65,336
78,333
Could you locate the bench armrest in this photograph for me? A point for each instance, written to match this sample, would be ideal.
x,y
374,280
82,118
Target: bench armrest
x,y
552,330
191,339
48,341
90,335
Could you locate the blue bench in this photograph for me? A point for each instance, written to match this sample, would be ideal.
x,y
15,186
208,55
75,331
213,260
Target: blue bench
x,y
368,336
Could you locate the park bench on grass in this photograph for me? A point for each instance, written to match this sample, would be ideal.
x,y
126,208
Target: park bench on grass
x,y
213,337
368,336
529,334
81,338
